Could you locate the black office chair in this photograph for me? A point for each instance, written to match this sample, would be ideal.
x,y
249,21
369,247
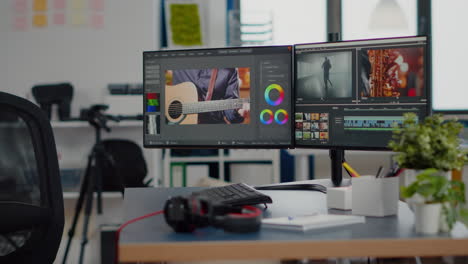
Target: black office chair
x,y
31,199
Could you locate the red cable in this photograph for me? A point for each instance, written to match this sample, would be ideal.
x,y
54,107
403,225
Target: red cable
x,y
117,236
254,212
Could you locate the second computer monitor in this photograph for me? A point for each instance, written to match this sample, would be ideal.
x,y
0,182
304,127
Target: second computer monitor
x,y
225,97
353,94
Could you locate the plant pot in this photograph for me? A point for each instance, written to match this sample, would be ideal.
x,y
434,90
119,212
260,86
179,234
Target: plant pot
x,y
427,217
443,225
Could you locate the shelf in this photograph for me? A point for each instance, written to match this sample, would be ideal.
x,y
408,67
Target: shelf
x,y
219,159
195,159
75,124
306,152
247,159
75,195
224,161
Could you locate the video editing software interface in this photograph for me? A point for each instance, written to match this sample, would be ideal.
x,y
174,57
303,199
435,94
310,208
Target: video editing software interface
x,y
353,94
225,97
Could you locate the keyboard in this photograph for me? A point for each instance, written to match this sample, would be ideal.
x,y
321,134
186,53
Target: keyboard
x,y
235,194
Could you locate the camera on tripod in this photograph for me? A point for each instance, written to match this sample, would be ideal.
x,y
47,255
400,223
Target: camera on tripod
x,y
96,117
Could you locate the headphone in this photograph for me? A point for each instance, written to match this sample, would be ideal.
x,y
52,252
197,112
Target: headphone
x,y
185,214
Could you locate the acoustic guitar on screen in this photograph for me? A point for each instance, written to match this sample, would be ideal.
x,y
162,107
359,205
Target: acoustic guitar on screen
x,y
183,107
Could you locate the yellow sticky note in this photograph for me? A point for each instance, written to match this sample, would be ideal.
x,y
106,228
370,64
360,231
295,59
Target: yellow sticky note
x,y
40,20
40,5
78,4
78,18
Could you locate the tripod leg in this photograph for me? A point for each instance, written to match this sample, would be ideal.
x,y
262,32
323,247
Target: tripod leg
x,y
79,205
98,178
87,214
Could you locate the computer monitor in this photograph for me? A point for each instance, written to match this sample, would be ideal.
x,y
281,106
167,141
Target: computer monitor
x,y
353,94
224,97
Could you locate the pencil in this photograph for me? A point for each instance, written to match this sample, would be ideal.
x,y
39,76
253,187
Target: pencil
x,y
351,170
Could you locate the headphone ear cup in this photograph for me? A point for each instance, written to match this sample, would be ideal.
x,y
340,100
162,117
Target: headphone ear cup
x,y
177,215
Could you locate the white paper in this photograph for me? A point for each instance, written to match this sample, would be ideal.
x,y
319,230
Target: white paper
x,y
307,222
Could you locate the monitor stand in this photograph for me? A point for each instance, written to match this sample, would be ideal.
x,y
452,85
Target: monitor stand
x,y
336,154
337,158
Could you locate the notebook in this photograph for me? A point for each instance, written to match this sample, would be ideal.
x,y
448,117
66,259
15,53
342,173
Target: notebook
x,y
313,221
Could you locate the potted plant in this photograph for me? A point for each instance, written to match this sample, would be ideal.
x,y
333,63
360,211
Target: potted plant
x,y
440,196
433,143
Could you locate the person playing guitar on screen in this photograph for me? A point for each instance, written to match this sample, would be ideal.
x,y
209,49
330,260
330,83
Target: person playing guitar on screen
x,y
224,84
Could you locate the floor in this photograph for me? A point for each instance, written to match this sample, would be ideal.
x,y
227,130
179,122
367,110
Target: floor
x,y
112,214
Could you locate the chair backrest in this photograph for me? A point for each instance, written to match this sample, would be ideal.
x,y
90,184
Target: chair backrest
x,y
31,198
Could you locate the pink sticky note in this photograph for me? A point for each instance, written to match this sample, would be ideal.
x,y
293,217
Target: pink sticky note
x,y
59,4
20,23
59,19
20,6
96,5
97,20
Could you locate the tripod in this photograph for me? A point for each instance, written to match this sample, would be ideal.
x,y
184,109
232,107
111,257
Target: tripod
x,y
92,180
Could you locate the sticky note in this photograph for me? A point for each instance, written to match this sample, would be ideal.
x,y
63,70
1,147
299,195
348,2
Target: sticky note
x,y
40,5
78,4
20,6
59,19
97,5
40,20
97,20
20,23
78,18
59,4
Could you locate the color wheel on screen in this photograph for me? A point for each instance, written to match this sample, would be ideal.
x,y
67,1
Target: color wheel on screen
x,y
285,116
268,91
266,116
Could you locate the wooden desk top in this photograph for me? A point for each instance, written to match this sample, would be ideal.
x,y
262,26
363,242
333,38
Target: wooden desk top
x,y
152,239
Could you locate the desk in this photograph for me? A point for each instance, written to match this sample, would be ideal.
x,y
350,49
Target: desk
x,y
153,240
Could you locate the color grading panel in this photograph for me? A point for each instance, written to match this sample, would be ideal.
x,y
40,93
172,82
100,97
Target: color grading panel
x,y
230,97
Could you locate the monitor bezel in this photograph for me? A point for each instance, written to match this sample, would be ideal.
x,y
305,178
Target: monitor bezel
x,y
224,146
428,87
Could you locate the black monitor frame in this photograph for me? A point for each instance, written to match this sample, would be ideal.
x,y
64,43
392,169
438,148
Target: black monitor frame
x,y
427,88
223,146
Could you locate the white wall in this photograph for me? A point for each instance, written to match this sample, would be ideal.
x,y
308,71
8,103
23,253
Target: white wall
x,y
87,57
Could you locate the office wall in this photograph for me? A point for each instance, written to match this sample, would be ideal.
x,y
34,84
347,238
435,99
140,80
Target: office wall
x,y
88,57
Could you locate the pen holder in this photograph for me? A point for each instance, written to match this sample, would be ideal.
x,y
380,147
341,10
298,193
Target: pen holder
x,y
373,196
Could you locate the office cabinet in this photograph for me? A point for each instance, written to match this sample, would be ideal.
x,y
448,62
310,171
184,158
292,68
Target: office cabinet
x,y
175,167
